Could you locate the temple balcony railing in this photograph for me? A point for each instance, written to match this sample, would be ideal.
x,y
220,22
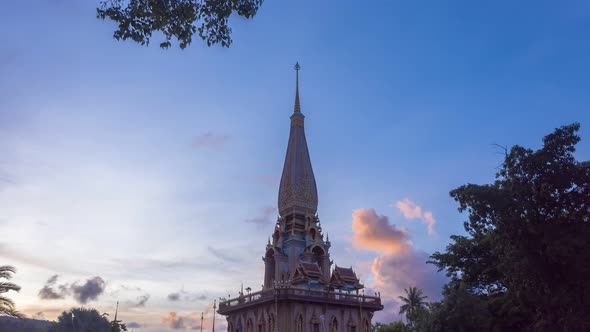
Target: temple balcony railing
x,y
300,294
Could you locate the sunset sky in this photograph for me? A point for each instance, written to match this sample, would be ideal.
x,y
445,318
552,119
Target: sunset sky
x,y
150,176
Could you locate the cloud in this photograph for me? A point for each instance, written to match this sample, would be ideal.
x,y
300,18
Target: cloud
x,y
394,273
210,139
34,260
130,288
186,296
375,233
52,292
141,301
181,322
221,255
265,217
398,264
411,211
89,291
133,325
52,280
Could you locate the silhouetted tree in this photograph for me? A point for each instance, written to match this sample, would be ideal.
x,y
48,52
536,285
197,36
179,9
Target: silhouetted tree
x,y
459,311
7,305
82,320
180,19
413,303
118,326
526,252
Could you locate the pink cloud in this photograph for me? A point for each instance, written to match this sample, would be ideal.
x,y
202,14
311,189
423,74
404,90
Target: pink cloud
x,y
192,320
374,232
411,210
397,265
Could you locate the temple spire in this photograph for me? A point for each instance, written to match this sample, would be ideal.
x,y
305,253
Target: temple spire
x,y
116,311
297,108
297,190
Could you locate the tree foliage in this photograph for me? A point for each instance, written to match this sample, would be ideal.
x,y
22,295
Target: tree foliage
x,y
117,326
460,310
82,320
7,305
525,256
391,327
175,19
413,304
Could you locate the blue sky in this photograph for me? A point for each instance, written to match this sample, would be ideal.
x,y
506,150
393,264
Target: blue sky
x,y
157,170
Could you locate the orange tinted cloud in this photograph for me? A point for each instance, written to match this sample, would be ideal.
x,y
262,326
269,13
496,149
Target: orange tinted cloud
x,y
398,264
411,211
374,232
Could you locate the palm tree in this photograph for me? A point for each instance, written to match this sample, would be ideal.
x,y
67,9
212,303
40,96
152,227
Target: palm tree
x,y
6,304
413,303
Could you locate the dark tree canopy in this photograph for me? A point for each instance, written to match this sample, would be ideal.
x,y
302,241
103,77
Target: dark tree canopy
x,y
527,247
175,19
391,327
82,320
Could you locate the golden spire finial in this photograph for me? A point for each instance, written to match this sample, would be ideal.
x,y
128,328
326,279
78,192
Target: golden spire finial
x,y
297,106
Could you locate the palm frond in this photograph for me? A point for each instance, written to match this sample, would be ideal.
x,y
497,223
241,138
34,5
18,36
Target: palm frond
x,y
11,312
8,286
404,308
6,271
6,303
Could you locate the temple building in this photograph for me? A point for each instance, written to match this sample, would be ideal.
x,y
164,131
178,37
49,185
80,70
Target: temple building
x,y
302,291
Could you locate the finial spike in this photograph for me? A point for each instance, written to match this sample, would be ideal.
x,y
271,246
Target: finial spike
x,y
297,105
116,311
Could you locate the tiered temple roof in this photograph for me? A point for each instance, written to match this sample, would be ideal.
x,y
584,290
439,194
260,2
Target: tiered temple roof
x,y
345,279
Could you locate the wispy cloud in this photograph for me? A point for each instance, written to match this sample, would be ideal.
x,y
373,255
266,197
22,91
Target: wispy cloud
x,y
141,301
183,295
222,255
210,139
51,291
22,257
411,211
265,217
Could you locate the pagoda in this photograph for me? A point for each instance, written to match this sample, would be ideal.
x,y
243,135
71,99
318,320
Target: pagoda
x,y
301,290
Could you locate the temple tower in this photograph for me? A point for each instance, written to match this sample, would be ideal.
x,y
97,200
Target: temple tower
x,y
301,291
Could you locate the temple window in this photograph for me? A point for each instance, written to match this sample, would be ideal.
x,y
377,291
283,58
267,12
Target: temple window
x,y
334,325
